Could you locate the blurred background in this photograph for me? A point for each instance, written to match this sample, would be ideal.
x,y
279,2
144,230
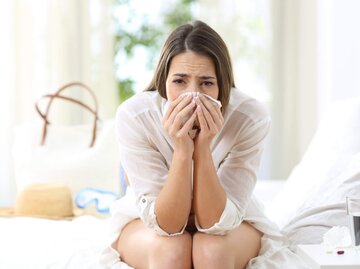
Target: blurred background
x,y
296,57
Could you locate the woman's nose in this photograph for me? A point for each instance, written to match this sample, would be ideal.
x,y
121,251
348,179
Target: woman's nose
x,y
193,89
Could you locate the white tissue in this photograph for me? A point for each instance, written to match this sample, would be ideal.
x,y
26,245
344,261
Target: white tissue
x,y
195,95
336,237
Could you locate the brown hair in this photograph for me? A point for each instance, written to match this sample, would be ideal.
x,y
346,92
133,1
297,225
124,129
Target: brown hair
x,y
199,38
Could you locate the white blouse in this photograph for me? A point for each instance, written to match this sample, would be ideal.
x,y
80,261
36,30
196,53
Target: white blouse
x,y
146,154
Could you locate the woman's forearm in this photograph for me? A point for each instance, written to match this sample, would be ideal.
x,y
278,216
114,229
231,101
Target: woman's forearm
x,y
209,195
173,204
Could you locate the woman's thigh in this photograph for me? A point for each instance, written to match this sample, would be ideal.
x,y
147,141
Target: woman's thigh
x,y
233,250
140,247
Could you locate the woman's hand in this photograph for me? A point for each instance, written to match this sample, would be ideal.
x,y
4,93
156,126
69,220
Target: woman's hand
x,y
210,121
179,120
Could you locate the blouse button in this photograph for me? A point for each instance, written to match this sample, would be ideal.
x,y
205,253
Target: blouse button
x,y
143,200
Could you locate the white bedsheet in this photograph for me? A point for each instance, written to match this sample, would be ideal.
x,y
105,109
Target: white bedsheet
x,y
39,243
47,244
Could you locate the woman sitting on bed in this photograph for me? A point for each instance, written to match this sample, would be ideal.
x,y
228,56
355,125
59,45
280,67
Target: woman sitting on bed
x,y
191,146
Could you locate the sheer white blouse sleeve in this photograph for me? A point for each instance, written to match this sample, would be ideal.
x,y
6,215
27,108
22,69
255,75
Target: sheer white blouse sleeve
x,y
238,173
144,165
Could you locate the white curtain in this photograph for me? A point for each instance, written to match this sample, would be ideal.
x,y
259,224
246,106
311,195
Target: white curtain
x,y
339,53
45,44
294,82
316,62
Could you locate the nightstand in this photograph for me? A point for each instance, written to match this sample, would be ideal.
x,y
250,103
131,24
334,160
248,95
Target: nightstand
x,y
316,257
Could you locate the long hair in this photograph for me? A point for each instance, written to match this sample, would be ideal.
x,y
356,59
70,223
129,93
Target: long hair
x,y
199,38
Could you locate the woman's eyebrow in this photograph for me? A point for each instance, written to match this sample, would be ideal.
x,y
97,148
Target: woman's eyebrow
x,y
180,75
207,77
186,75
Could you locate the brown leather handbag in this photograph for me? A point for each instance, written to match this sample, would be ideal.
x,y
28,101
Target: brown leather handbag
x,y
58,94
63,154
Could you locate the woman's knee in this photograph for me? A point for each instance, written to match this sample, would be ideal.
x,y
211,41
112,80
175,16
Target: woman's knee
x,y
171,252
233,250
211,251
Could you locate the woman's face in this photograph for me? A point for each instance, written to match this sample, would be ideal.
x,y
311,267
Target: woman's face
x,y
191,72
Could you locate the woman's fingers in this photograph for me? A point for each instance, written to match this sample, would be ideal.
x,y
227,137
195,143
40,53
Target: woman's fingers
x,y
214,111
188,125
210,113
202,121
211,126
171,107
183,116
174,108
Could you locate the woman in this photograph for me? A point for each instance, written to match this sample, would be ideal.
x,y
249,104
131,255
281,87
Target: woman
x,y
192,163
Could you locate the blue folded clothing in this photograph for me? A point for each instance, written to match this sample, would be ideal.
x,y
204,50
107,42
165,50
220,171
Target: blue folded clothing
x,y
102,199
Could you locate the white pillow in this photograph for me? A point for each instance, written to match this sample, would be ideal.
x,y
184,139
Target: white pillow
x,y
325,207
333,146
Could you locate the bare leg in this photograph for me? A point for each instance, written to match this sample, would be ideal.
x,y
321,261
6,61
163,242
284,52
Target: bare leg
x,y
141,248
231,251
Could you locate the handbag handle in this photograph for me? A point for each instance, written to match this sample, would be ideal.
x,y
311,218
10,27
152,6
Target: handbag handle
x,y
58,95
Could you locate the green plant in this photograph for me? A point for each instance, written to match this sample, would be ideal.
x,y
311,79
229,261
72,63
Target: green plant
x,y
131,35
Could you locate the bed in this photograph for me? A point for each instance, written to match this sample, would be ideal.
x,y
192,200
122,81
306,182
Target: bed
x,y
31,243
307,205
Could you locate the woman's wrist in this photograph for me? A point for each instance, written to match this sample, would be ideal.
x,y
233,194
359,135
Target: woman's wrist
x,y
201,150
184,153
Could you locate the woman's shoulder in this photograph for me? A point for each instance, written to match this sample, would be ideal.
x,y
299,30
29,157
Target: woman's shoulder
x,y
137,113
248,106
140,103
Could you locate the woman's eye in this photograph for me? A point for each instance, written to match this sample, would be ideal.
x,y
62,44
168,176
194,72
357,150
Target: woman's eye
x,y
178,81
208,83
